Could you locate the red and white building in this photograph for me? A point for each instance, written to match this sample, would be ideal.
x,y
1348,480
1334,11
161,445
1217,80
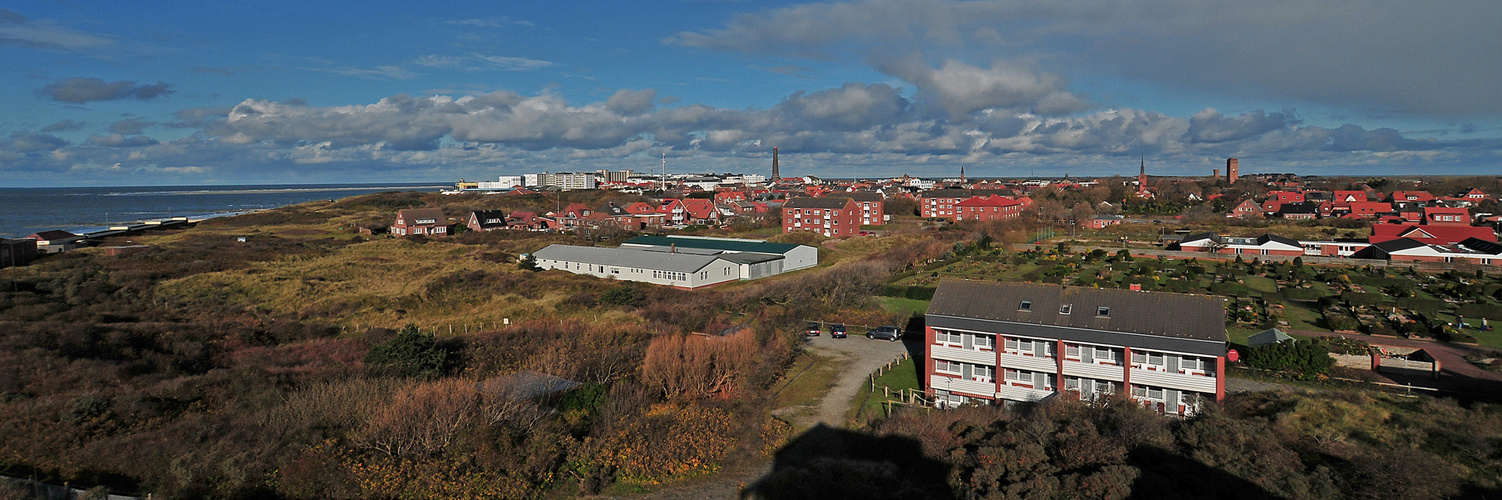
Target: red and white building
x,y
1248,209
486,220
872,207
1267,244
994,342
832,217
423,221
1470,251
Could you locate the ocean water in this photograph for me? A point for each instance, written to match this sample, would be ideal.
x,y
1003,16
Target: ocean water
x,y
25,211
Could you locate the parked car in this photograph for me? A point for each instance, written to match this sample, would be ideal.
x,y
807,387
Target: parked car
x,y
891,333
812,330
837,331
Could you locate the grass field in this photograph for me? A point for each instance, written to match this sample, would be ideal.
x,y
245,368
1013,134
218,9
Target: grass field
x,y
806,383
868,404
905,307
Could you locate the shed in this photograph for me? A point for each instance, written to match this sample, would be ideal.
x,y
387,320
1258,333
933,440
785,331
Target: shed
x,y
1269,336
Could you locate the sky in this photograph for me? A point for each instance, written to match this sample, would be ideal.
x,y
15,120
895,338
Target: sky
x,y
279,92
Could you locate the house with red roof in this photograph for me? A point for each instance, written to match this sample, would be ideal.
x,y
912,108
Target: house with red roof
x,y
1410,196
1247,209
1275,200
701,211
1368,209
1449,216
420,221
1430,234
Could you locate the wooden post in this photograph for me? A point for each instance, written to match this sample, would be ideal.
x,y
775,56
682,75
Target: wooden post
x,y
886,391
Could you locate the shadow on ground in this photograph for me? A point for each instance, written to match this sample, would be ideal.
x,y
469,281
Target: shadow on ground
x,y
826,462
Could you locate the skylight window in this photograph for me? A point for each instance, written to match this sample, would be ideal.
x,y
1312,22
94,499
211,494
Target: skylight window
x,y
1025,306
1065,308
1102,312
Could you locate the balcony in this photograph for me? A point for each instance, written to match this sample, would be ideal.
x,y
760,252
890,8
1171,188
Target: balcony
x,y
1167,380
963,387
971,356
1022,393
1092,370
1029,363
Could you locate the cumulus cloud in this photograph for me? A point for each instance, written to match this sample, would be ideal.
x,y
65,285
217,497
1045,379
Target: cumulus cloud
x,y
65,126
961,88
130,126
27,142
631,102
120,141
81,90
1417,58
1209,125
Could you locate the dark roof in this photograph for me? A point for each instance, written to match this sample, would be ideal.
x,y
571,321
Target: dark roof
x,y
1302,207
412,215
615,211
1261,240
1200,317
499,216
1202,236
834,203
53,235
713,243
1398,245
960,193
1483,246
863,196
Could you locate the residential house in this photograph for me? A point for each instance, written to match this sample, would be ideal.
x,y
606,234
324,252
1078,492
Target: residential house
x,y
700,211
726,197
1275,199
486,220
1247,209
834,217
1102,221
1447,216
993,342
1430,234
1470,251
1411,196
420,221
1368,209
1305,210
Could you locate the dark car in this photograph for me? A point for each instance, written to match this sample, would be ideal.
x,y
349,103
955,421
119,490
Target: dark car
x,y
812,330
885,333
837,331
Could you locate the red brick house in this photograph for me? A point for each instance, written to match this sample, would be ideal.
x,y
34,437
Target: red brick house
x,y
700,211
944,203
1369,209
1430,234
486,220
725,197
1248,209
871,207
424,221
988,208
835,217
1410,196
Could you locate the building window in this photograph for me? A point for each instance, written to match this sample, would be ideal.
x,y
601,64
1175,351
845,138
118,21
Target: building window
x,y
985,342
1191,363
948,367
1011,345
1102,312
1025,306
1072,351
1065,308
982,373
1071,384
1104,354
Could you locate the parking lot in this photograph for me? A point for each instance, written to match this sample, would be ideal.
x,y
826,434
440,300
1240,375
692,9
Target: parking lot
x,y
860,356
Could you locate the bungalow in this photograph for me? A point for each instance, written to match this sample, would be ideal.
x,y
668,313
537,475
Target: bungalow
x,y
1472,251
1267,244
1101,221
420,221
1369,209
56,241
17,251
486,220
1305,210
1447,216
1430,234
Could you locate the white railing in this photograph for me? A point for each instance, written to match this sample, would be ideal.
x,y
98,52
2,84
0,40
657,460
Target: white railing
x,y
963,387
1092,370
1029,363
1196,383
972,356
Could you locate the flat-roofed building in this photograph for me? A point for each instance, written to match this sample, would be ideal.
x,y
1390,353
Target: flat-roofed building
x,y
682,262
993,341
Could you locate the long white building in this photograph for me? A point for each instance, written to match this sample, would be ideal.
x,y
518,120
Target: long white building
x,y
682,262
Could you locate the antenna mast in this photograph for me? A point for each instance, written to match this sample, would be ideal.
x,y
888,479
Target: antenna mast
x,y
664,179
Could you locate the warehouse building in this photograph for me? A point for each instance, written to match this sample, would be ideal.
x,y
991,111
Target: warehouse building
x,y
681,262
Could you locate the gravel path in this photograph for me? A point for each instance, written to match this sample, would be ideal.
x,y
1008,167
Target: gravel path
x,y
860,356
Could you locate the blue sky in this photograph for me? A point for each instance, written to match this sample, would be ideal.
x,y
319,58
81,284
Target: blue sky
x,y
292,92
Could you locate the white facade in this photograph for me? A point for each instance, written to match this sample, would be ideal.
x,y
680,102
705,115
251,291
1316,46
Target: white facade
x,y
504,182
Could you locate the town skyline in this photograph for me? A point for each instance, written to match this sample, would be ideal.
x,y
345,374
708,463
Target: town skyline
x,y
214,94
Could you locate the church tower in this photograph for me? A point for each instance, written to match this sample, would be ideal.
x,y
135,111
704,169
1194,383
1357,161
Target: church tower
x,y
776,176
1142,178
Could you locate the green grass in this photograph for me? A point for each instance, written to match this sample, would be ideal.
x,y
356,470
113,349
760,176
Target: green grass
x,y
903,306
1302,316
1260,284
868,404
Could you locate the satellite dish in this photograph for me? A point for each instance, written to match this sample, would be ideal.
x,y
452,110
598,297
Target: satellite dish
x,y
1233,356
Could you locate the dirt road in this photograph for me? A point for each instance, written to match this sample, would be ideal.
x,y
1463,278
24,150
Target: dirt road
x,y
859,356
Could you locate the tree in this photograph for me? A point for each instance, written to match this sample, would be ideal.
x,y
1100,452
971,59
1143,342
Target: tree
x,y
528,263
411,354
1301,358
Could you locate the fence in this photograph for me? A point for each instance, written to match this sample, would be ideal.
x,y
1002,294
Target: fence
x,y
904,397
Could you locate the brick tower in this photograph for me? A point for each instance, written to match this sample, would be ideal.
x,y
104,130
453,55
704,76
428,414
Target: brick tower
x,y
776,176
1231,174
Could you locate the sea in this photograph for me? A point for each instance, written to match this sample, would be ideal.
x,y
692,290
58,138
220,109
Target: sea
x,y
25,211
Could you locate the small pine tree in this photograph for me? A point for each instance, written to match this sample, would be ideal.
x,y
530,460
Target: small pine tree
x,y
411,354
528,263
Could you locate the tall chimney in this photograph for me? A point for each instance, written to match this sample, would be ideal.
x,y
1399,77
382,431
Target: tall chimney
x,y
776,176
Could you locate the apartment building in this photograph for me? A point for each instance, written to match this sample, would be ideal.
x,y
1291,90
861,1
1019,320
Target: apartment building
x,y
992,341
836,217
